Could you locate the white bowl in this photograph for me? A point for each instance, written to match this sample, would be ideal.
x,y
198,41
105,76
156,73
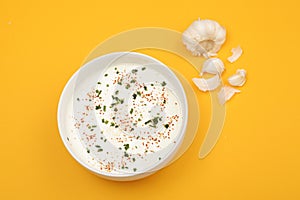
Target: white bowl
x,y
74,138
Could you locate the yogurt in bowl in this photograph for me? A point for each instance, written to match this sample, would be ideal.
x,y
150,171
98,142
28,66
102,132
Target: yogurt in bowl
x,y
123,115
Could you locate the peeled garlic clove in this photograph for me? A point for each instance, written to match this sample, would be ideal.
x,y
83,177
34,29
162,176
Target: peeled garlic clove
x,y
236,53
212,66
207,84
226,93
204,37
238,79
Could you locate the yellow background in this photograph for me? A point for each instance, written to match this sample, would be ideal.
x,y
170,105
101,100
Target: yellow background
x,y
258,155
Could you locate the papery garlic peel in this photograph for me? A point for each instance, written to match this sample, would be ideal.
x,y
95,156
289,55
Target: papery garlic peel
x,y
204,37
207,84
226,93
236,53
238,79
212,66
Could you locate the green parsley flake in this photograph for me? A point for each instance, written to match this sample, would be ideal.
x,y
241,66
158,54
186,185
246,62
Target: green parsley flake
x,y
131,110
143,68
127,86
98,107
105,75
126,147
163,83
134,71
134,96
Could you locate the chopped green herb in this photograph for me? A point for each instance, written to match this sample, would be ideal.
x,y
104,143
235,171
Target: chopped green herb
x,y
164,101
88,151
137,137
94,126
132,81
106,122
159,158
139,93
116,109
131,110
115,68
98,107
133,159
100,150
120,148
143,68
97,146
155,120
134,71
117,72
78,99
152,84
163,83
103,120
105,75
134,169
121,101
147,122
116,126
101,138
139,119
127,86
119,82
104,108
99,83
68,139
116,92
105,140
107,85
134,96
145,88
98,92
166,125
126,154
112,124
92,129
126,146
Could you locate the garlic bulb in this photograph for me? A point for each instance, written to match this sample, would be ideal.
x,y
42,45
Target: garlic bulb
x,y
212,66
236,53
204,37
207,84
238,79
226,93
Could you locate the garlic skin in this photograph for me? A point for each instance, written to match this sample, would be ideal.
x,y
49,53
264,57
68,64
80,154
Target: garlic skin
x,y
207,84
212,66
204,37
226,93
238,79
236,53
